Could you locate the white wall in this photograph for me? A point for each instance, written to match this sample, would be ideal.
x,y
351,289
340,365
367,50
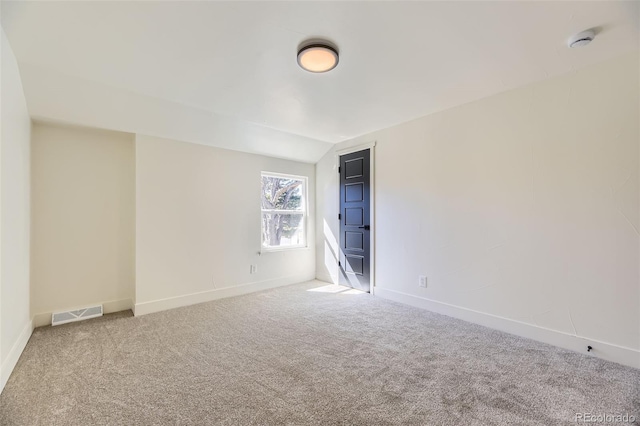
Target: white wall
x,y
522,209
83,223
55,96
198,225
159,222
15,323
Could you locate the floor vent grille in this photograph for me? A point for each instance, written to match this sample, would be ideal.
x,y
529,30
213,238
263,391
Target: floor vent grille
x,y
77,315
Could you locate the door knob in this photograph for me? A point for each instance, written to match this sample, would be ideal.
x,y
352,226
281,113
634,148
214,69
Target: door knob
x,y
365,227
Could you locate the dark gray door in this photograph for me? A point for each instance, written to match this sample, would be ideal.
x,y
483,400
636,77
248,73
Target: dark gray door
x,y
354,220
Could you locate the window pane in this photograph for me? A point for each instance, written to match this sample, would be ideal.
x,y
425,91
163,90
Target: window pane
x,y
279,193
282,230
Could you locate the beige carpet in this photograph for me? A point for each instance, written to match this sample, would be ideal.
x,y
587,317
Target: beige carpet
x,y
291,356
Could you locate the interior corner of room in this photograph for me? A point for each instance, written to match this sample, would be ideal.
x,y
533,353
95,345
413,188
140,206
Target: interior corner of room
x,y
517,209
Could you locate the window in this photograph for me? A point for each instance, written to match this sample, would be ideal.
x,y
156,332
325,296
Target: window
x,y
284,211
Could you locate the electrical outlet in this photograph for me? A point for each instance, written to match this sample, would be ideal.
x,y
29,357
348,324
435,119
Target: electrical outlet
x,y
254,269
422,281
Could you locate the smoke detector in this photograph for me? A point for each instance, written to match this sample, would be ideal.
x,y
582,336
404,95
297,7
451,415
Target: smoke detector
x,y
582,39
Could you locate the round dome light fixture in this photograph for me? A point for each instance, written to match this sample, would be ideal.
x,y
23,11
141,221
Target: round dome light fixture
x,y
582,39
318,57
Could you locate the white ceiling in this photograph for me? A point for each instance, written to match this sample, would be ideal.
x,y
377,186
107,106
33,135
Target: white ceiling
x,y
398,60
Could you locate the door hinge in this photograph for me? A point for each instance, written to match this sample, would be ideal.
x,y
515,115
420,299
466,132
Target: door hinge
x,y
339,216
338,169
339,264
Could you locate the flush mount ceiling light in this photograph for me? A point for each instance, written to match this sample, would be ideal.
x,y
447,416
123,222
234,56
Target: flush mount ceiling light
x,y
318,57
582,39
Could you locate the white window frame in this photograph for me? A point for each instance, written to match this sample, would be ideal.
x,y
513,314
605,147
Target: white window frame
x,y
304,212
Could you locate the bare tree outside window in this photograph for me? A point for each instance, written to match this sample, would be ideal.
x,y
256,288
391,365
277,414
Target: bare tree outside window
x,y
283,211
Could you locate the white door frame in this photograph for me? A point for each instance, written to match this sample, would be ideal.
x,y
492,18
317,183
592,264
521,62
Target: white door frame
x,y
372,245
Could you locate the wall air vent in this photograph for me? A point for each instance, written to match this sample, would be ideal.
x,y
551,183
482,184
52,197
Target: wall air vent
x,y
77,315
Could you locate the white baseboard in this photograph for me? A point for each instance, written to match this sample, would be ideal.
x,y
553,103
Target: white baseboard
x,y
219,293
14,354
325,278
43,319
607,351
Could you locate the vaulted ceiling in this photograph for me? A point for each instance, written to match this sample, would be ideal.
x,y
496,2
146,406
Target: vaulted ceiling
x,y
137,65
